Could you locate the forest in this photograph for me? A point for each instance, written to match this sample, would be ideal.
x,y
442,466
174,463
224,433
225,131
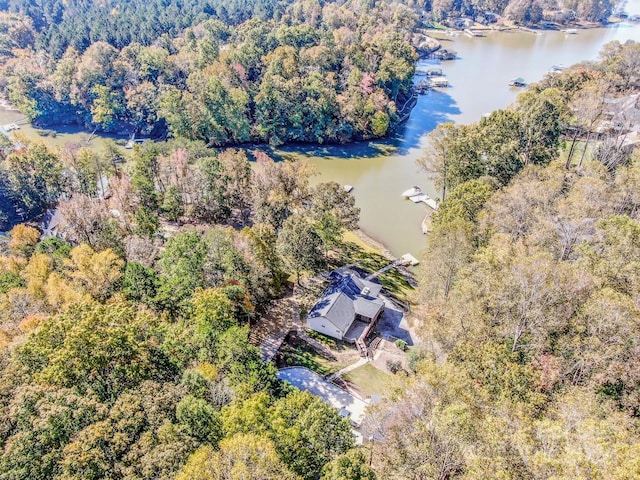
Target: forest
x,y
228,72
124,347
529,292
332,74
124,337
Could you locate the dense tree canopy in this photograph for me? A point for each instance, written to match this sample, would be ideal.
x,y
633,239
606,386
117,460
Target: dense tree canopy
x,y
529,296
124,349
313,74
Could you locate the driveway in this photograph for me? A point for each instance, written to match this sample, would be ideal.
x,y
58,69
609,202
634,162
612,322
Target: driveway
x,y
393,324
310,381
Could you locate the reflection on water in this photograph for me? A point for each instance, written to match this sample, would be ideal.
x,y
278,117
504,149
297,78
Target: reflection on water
x,y
432,109
63,134
380,171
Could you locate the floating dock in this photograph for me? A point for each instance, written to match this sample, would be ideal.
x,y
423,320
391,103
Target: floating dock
x,y
426,199
410,260
416,195
439,82
472,33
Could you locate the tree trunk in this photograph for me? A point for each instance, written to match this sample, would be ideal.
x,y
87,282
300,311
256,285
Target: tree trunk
x,y
91,136
586,145
573,146
516,337
447,283
444,180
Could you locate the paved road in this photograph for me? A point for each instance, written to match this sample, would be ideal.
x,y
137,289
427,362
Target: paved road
x,y
305,379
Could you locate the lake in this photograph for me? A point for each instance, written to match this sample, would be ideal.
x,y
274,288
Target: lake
x,y
381,171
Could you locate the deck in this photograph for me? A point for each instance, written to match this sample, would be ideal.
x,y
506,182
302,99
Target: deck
x,y
426,199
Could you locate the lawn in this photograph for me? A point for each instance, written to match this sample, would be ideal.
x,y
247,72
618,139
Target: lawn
x,y
369,380
367,258
577,151
296,352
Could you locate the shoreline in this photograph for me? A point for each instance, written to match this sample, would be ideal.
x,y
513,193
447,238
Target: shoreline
x,y
373,243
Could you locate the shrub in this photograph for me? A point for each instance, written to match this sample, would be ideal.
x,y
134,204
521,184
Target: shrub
x,y
401,344
394,366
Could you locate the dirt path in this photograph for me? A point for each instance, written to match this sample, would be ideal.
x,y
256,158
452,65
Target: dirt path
x,y
270,331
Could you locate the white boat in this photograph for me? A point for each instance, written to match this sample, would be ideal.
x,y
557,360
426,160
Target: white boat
x,y
415,190
347,188
571,31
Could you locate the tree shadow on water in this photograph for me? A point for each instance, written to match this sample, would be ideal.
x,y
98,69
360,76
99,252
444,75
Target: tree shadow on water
x,y
432,109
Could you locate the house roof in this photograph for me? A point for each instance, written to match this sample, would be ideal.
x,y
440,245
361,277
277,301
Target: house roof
x,y
367,307
347,296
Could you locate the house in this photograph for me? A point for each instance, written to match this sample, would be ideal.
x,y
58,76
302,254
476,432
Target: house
x,y
347,307
463,22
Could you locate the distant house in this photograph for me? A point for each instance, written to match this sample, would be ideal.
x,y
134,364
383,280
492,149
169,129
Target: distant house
x,y
559,16
347,307
621,114
463,22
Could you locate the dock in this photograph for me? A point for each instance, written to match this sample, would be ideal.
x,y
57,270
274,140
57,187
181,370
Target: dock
x,y
422,86
9,127
425,225
426,199
416,195
439,82
409,260
472,33
444,54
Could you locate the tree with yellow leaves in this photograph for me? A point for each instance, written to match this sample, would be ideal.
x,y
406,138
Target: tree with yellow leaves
x,y
23,239
95,272
241,457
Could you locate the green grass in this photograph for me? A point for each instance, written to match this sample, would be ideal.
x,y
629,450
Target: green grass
x,y
303,355
325,340
369,379
577,151
372,260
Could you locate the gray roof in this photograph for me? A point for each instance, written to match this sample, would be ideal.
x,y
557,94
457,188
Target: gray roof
x,y
347,296
367,307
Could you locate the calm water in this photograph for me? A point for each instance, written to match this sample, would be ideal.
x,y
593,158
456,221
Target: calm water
x,y
381,171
